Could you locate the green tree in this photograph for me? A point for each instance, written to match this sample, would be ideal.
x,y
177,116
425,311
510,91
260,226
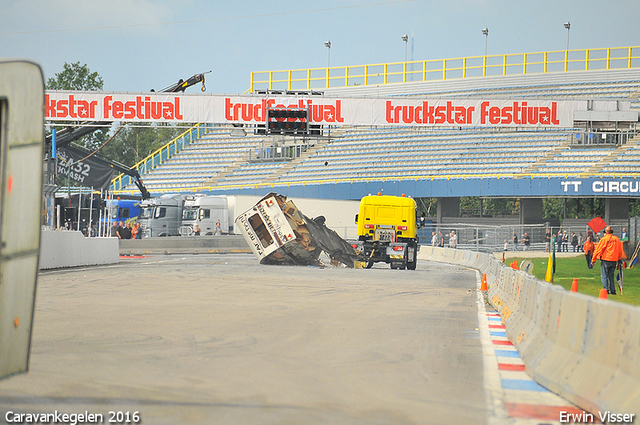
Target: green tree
x,y
75,77
132,144
79,77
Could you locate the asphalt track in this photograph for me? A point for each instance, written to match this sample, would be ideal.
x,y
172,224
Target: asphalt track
x,y
220,339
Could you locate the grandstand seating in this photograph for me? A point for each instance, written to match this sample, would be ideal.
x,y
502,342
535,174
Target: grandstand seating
x,y
219,159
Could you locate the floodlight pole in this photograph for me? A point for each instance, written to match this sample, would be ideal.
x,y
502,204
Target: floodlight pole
x,y
485,32
405,38
567,25
328,46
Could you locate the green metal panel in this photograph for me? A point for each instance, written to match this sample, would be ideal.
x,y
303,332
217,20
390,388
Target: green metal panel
x,y
21,155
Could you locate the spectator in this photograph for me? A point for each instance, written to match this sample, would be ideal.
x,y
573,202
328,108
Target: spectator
x,y
574,241
119,230
196,230
624,238
125,233
453,240
526,241
506,245
609,251
515,241
588,251
547,241
434,239
559,240
217,231
134,231
440,239
580,242
113,230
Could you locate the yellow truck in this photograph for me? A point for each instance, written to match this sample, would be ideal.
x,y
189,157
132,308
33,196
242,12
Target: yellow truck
x,y
387,231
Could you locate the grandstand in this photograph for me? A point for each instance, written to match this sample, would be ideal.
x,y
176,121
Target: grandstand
x,y
226,160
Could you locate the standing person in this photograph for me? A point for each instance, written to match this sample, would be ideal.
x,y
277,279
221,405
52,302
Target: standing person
x,y
135,230
506,245
218,231
526,241
565,242
588,251
609,251
125,233
574,241
624,238
119,230
440,239
559,240
113,230
515,241
434,239
580,242
547,241
453,240
196,230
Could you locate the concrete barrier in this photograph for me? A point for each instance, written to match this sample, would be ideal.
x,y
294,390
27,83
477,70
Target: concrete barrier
x,y
583,348
185,245
70,249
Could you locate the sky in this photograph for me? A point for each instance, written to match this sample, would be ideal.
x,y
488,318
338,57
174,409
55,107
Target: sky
x,y
137,45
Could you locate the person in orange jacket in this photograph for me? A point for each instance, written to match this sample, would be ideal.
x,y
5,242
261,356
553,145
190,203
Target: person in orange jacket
x,y
609,251
588,251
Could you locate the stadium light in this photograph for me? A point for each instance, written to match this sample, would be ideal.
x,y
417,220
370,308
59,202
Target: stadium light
x,y
328,46
485,32
567,25
405,38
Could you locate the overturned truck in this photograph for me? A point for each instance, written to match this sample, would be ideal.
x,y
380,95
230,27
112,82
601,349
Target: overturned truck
x,y
279,233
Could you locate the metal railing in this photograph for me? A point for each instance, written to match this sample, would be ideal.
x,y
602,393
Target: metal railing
x,y
276,153
159,156
591,138
446,69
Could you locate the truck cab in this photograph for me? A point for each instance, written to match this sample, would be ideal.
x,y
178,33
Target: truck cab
x,y
204,211
161,216
387,231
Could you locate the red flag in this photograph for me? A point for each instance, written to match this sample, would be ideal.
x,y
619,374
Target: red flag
x,y
597,224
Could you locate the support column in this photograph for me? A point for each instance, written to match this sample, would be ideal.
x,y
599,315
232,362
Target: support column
x,y
530,210
616,209
448,207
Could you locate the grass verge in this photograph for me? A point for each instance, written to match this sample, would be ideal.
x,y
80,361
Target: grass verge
x,y
589,282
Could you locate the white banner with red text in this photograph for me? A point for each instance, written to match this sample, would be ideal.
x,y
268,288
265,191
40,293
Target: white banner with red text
x,y
245,109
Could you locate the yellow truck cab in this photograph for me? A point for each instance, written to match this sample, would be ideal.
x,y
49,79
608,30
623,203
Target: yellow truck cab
x,y
387,231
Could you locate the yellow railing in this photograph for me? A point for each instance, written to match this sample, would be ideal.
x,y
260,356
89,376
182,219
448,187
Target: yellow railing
x,y
159,156
447,69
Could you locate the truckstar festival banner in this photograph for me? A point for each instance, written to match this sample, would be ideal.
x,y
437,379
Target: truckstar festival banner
x,y
195,108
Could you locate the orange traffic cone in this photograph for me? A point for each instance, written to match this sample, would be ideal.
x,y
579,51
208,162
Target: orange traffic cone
x,y
483,286
603,294
574,285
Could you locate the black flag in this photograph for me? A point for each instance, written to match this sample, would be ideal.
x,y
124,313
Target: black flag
x,y
87,172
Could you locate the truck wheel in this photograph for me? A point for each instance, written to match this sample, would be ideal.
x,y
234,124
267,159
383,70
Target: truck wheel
x,y
412,265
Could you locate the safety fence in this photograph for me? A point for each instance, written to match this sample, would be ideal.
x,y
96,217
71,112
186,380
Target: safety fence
x,y
583,348
447,69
